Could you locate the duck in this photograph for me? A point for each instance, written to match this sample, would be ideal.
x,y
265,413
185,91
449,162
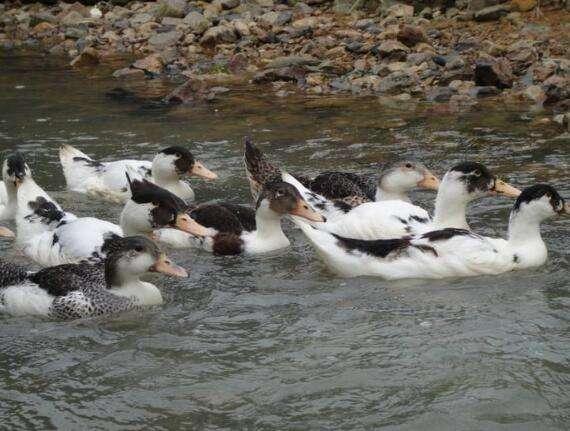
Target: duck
x,y
394,182
81,290
448,252
106,180
236,229
462,184
50,236
14,169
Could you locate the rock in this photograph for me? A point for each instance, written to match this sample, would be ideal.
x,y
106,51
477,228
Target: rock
x,y
218,34
492,13
161,41
305,23
129,72
426,13
89,57
392,49
461,87
151,64
484,91
286,74
172,8
42,28
515,18
265,3
73,18
140,18
192,90
535,93
292,60
400,11
241,28
523,5
396,82
556,88
410,35
439,94
95,13
197,22
276,18
493,72
229,4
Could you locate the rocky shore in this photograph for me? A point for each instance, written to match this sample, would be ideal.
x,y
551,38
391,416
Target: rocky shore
x,y
454,55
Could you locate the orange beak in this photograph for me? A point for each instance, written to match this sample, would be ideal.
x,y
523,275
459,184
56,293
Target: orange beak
x,y
187,224
6,233
166,266
202,171
505,189
303,210
430,182
566,209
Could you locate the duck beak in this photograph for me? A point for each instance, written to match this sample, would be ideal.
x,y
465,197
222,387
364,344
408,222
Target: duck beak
x,y
566,210
187,224
430,182
6,233
166,266
304,210
505,189
202,171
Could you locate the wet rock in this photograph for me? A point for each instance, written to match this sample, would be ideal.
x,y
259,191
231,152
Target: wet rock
x,y
556,89
197,23
151,64
219,34
129,72
292,60
523,5
191,91
439,94
492,13
89,57
286,74
396,82
484,91
493,72
392,49
411,35
161,41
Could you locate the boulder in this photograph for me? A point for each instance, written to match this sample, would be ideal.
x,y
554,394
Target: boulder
x,y
492,13
219,34
197,22
160,41
493,72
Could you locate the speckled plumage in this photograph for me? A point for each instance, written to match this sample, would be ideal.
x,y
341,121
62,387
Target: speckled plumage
x,y
340,185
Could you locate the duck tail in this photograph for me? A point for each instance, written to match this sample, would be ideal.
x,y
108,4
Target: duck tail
x,y
11,273
78,167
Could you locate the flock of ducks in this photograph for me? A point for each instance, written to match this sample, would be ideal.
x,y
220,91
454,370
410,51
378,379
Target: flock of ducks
x,y
358,226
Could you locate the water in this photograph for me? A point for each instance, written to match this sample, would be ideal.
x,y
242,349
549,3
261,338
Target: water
x,y
275,341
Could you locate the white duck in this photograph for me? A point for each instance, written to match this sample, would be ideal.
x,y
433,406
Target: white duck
x,y
75,291
236,229
107,179
14,170
462,184
50,236
448,252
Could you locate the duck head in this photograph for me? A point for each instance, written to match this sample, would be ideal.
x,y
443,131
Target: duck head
x,y
152,207
468,181
15,170
400,178
282,198
134,256
540,202
175,163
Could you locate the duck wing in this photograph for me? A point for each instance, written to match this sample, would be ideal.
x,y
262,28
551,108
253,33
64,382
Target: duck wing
x,y
223,217
61,280
340,185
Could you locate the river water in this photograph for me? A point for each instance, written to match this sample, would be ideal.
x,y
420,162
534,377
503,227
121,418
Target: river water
x,y
275,341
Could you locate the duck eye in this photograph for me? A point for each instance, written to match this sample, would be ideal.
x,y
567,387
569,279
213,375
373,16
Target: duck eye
x,y
477,173
139,248
409,165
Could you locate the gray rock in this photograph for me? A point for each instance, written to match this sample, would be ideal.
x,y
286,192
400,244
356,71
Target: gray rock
x,y
396,82
392,49
173,8
292,60
439,94
76,32
484,91
161,41
218,34
73,18
492,13
229,4
140,18
197,22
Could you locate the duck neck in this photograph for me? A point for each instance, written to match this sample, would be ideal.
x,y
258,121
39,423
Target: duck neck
x,y
450,210
268,234
390,195
525,240
132,287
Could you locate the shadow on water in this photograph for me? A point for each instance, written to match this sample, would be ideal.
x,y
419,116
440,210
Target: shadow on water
x,y
276,341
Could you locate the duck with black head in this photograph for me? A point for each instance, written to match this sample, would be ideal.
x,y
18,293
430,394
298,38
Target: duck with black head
x,y
236,229
14,170
461,185
449,252
169,169
74,291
